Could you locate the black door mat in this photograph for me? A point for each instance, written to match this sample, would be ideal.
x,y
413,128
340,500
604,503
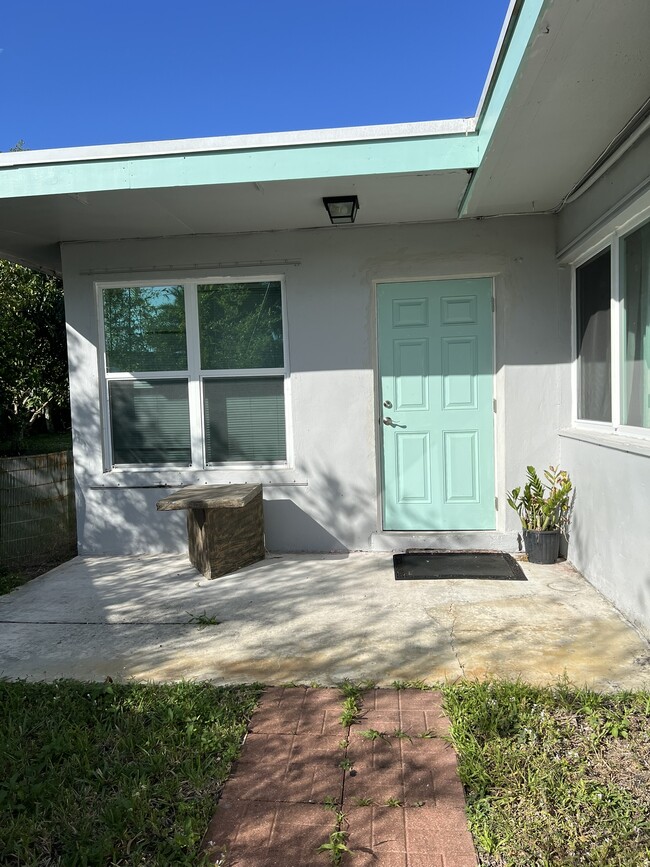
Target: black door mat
x,y
443,565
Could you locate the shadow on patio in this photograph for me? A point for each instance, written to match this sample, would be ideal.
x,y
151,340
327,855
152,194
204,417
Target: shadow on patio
x,y
310,618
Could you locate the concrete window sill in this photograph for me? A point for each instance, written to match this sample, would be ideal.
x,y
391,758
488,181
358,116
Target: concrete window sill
x,y
619,442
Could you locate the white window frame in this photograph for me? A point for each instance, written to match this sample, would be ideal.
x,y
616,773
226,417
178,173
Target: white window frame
x,y
590,424
610,236
194,376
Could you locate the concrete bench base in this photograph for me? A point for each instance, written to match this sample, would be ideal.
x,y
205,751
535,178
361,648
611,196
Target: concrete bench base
x,y
225,526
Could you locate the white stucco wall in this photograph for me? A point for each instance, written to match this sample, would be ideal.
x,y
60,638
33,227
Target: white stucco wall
x,y
609,540
328,499
610,543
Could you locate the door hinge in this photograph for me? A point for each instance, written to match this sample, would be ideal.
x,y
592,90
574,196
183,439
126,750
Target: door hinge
x,y
494,304
494,404
496,504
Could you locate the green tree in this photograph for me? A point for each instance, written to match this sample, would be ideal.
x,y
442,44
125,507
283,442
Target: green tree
x,y
33,357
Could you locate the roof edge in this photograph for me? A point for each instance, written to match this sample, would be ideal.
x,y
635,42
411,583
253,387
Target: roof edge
x,y
255,141
501,50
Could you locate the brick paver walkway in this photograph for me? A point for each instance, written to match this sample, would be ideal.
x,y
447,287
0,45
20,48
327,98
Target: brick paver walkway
x,y
395,794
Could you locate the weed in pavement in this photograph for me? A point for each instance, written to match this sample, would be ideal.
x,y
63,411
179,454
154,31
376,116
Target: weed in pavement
x,y
355,690
336,846
363,802
402,735
351,711
202,620
373,735
413,684
353,700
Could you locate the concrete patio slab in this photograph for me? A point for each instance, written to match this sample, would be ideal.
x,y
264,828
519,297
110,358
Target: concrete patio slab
x,y
312,619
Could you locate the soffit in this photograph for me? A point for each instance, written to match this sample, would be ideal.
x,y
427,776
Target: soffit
x,y
584,74
32,228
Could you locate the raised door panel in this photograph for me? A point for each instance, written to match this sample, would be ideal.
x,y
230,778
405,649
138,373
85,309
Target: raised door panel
x,y
436,377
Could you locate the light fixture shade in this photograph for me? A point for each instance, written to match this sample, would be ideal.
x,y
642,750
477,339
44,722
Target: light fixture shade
x,y
342,209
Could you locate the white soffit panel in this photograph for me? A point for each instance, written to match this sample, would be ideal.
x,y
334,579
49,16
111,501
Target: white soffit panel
x,y
384,199
585,73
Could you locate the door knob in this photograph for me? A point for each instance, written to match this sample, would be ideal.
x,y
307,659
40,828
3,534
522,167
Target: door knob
x,y
387,420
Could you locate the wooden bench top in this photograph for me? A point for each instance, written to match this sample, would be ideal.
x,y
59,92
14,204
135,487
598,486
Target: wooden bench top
x,y
209,497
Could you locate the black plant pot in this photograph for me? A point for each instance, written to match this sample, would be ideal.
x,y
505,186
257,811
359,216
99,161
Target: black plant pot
x,y
542,546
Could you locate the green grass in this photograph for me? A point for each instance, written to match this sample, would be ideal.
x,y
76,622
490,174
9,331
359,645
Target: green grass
x,y
38,444
15,576
113,774
10,579
553,776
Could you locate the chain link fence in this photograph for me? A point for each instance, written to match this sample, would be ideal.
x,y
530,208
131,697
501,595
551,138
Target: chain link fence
x,y
37,509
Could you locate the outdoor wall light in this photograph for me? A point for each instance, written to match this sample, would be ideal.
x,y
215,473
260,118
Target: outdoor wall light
x,y
342,209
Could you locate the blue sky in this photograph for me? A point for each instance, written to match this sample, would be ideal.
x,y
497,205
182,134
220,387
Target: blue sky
x,y
81,72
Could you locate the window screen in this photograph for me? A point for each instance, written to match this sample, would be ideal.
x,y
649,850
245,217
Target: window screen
x,y
593,293
636,328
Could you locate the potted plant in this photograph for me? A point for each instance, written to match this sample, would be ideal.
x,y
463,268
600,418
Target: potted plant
x,y
543,510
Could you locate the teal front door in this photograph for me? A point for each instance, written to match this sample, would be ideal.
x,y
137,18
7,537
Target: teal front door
x,y
436,374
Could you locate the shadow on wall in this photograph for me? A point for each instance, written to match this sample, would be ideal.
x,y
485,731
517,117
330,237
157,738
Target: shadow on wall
x,y
287,527
321,518
331,515
600,550
115,520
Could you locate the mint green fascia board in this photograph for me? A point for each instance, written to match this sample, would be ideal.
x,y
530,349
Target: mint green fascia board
x,y
451,152
528,17
519,40
437,153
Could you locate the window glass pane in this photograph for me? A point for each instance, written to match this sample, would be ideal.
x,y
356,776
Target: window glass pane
x,y
244,419
240,326
636,328
593,296
145,328
150,422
